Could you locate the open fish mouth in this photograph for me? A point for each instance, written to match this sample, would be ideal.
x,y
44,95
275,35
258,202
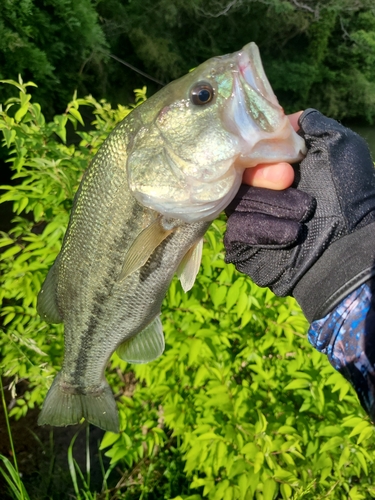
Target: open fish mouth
x,y
255,116
252,71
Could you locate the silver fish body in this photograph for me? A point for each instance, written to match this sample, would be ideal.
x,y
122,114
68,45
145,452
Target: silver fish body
x,y
139,216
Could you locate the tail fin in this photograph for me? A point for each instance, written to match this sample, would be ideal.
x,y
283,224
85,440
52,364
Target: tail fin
x,y
63,408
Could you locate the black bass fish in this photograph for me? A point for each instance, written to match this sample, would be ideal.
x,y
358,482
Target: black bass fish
x,y
146,200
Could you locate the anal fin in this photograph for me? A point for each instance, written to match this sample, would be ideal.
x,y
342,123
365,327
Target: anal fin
x,y
145,346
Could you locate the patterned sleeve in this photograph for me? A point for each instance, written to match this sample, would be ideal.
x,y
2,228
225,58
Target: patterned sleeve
x,y
347,336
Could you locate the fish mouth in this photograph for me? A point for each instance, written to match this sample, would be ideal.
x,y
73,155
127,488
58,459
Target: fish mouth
x,y
255,116
252,72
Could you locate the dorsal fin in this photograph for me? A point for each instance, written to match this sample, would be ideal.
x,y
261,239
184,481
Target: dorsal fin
x,y
47,299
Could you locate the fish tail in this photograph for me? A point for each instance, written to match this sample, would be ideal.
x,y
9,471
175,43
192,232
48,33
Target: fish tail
x,y
62,407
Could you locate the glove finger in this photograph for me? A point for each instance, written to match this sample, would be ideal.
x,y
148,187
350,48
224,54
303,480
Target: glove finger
x,y
260,231
290,204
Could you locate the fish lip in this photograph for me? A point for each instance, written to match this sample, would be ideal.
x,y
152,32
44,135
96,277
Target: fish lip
x,y
250,65
250,74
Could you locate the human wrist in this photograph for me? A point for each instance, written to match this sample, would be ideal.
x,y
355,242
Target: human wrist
x,y
346,264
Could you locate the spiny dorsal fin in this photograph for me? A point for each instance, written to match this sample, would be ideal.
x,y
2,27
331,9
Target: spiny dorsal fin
x,y
189,266
143,247
145,346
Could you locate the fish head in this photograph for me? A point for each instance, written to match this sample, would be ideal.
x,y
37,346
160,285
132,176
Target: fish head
x,y
201,131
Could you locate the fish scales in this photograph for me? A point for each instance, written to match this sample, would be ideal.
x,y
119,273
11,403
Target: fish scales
x,y
96,298
139,215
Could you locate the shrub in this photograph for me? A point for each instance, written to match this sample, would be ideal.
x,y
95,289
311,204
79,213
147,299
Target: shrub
x,y
238,407
59,42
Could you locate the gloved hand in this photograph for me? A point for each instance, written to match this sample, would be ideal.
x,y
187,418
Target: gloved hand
x,y
316,243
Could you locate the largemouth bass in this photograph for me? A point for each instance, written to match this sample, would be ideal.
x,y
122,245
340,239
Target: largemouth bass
x,y
163,174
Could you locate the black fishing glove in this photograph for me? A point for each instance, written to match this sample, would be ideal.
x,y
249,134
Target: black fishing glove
x,y
316,243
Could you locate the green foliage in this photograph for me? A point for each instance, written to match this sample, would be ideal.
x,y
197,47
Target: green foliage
x,y
258,413
315,53
238,407
51,42
47,171
10,473
81,493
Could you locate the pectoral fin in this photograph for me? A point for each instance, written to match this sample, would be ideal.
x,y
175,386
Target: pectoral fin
x,y
143,247
189,266
145,346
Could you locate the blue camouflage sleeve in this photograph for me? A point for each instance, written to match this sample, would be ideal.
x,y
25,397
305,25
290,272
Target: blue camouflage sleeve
x,y
347,336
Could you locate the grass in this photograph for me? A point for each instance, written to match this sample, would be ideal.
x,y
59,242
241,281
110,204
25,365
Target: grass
x,y
77,476
10,471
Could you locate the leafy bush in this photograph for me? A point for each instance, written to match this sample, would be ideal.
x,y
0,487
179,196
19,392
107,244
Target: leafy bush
x,y
316,53
47,172
238,407
59,42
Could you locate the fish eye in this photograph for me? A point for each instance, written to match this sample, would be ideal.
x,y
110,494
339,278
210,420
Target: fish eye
x,y
202,93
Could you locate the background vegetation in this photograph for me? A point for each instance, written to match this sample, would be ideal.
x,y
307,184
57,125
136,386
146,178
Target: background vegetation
x,y
238,407
316,53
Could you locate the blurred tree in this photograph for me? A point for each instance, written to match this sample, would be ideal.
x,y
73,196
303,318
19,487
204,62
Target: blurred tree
x,y
57,43
316,53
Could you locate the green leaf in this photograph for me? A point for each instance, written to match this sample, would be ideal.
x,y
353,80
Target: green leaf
x,y
332,443
38,211
361,459
10,252
250,450
359,428
286,491
77,115
297,384
22,204
286,429
355,495
243,486
4,242
284,475
21,112
195,349
258,461
344,458
218,294
221,453
330,430
269,489
109,439
21,87
262,423
8,318
352,422
242,304
233,294
367,433
209,436
201,375
237,468
9,136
